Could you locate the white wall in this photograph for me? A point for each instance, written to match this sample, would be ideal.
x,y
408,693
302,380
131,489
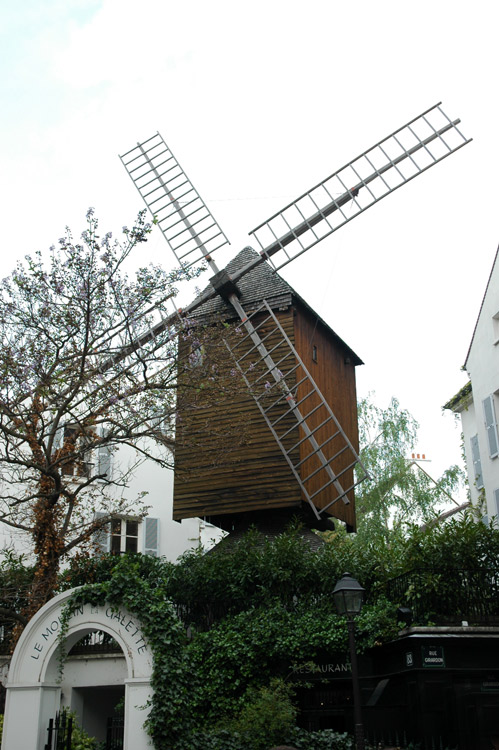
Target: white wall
x,y
150,478
483,367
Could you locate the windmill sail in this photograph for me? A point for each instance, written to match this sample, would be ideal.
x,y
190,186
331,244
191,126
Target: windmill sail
x,y
315,446
389,164
187,225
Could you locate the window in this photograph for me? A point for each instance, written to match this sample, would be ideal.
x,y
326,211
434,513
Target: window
x,y
97,461
495,325
122,535
314,353
197,354
73,441
491,426
477,464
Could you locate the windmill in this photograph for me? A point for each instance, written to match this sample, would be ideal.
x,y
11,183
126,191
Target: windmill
x,y
317,450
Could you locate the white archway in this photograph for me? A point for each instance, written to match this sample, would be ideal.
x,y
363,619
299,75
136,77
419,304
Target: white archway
x,y
33,689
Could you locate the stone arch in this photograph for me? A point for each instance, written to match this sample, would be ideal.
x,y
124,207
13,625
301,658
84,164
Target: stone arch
x,y
33,689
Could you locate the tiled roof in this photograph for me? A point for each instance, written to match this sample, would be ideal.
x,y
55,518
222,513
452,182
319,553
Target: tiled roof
x,y
258,284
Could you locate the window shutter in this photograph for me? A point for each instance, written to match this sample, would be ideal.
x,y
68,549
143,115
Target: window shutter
x,y
496,498
101,538
491,426
58,439
151,536
104,460
477,464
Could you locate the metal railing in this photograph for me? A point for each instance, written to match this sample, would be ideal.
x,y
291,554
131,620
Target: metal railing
x,y
448,596
97,642
59,732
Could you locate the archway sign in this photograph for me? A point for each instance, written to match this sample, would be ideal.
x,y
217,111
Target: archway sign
x,y
33,688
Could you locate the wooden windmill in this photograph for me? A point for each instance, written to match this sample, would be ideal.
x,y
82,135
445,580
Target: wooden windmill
x,y
308,413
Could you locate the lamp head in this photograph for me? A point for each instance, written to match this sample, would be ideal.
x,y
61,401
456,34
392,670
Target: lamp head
x,y
348,596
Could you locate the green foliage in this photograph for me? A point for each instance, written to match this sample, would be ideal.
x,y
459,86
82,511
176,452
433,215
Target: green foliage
x,y
458,543
80,740
399,493
326,739
16,577
268,715
281,614
256,573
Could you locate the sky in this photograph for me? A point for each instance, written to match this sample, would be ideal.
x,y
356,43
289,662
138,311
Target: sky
x,y
259,102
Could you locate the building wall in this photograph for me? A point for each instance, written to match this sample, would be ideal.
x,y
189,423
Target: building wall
x,y
468,424
172,539
482,365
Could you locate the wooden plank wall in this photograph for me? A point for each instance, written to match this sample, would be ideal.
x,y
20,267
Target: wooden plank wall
x,y
253,476
334,374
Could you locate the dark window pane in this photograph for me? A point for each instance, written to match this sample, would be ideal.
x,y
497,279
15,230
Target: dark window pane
x,y
115,545
132,528
131,544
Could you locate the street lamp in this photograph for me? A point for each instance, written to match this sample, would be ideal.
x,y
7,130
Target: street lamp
x,y
348,597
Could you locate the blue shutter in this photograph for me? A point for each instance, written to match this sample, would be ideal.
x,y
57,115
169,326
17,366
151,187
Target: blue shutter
x,y
104,460
151,536
101,538
477,464
491,426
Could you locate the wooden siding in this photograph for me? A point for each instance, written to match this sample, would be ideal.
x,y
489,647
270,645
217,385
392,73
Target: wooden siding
x,y
334,374
253,476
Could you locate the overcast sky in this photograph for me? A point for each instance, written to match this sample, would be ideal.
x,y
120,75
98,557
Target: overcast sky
x,y
259,101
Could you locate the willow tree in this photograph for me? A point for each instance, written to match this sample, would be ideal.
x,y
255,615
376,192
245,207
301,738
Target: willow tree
x,y
401,492
89,366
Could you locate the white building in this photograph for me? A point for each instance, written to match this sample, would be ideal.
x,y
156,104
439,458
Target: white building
x,y
478,402
154,533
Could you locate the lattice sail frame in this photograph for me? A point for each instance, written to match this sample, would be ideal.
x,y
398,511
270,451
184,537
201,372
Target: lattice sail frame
x,y
186,223
391,163
295,410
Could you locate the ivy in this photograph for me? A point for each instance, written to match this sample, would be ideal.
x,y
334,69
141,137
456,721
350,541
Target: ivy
x,y
278,613
136,584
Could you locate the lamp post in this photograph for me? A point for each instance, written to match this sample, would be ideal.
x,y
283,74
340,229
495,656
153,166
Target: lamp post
x,y
348,597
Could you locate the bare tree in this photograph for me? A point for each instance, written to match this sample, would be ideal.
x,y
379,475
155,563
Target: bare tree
x,y
80,378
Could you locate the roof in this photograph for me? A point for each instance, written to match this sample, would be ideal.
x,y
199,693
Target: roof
x,y
461,400
262,282
267,532
481,306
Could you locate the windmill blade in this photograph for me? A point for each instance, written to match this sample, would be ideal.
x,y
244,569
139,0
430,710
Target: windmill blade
x,y
315,446
391,163
186,223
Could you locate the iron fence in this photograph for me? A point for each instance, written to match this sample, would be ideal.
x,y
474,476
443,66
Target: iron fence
x,y
97,642
393,740
115,733
59,732
448,596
